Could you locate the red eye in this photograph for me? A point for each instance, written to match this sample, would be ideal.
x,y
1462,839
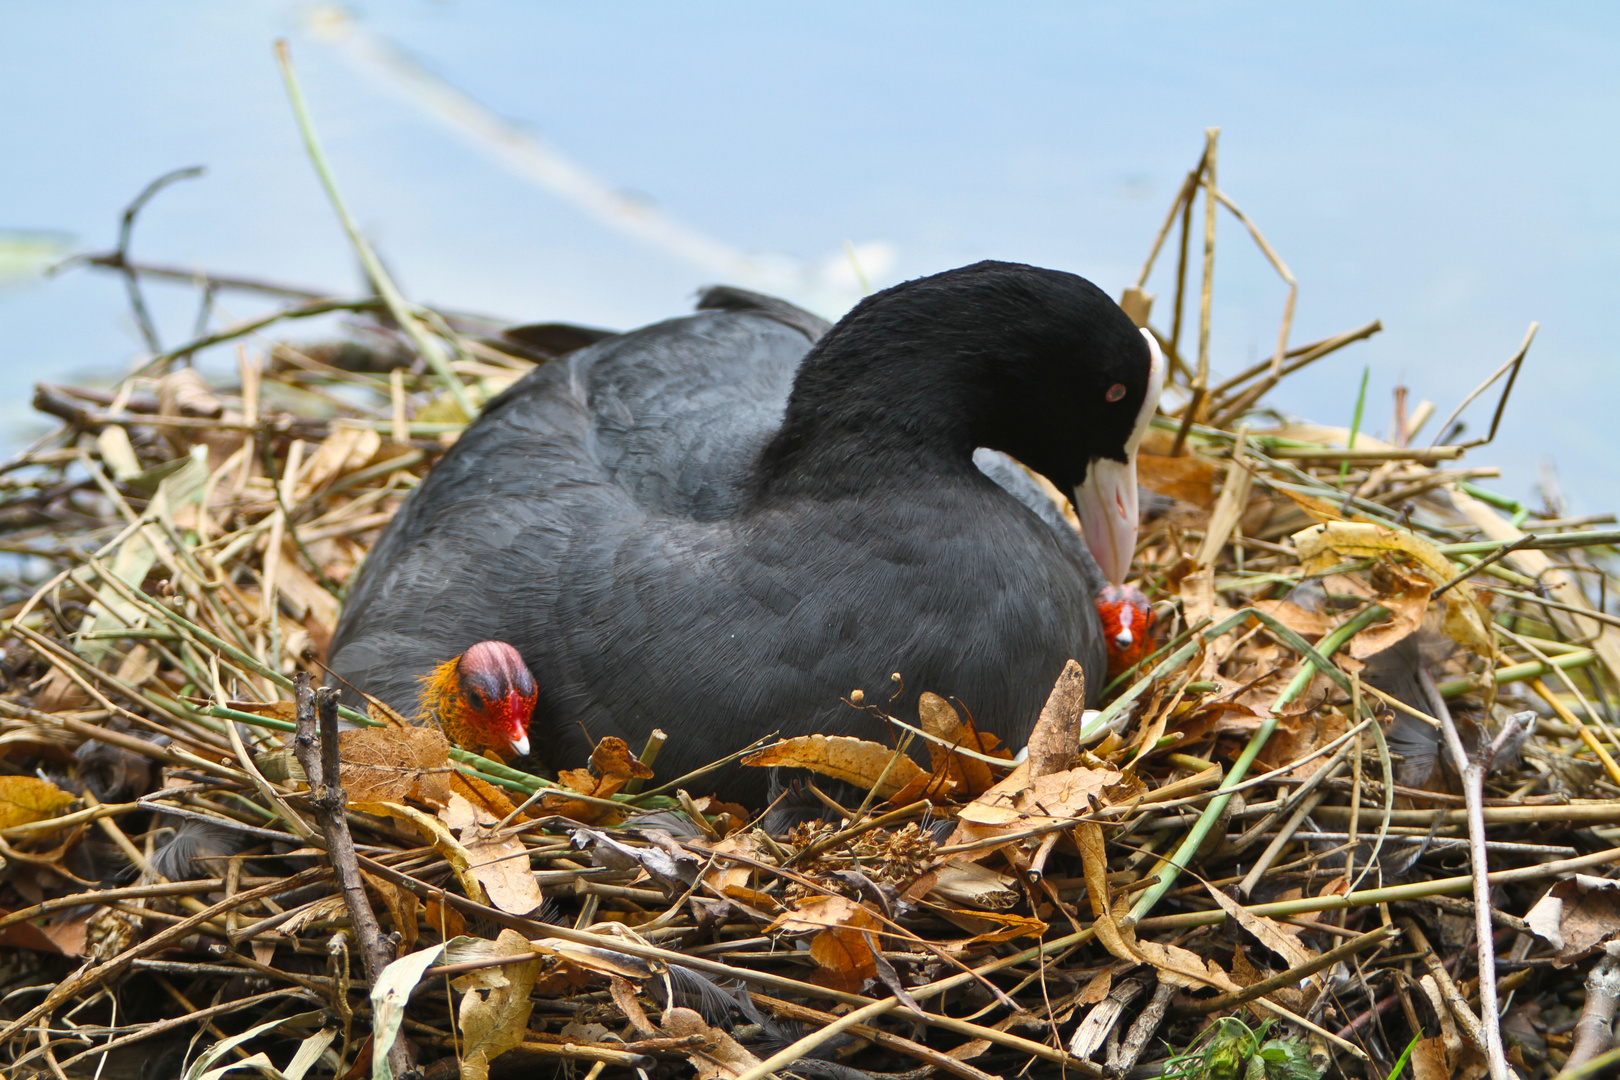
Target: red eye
x,y
1115,392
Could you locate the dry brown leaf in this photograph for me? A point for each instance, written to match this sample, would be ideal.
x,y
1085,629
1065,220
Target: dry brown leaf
x,y
137,667
1019,803
1199,601
844,958
815,913
484,795
445,920
279,710
612,766
439,835
500,864
727,817
1305,623
1097,989
27,935
394,764
308,599
322,910
624,996
1298,734
1056,737
600,961
854,761
726,874
344,451
612,762
402,905
1577,915
970,884
385,714
1432,1061
1318,510
1407,598
1176,966
1271,933
495,1006
720,1058
961,773
60,693
840,948
990,926
1189,478
27,799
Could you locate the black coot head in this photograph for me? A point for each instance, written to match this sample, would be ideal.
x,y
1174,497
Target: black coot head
x,y
1070,372
1040,364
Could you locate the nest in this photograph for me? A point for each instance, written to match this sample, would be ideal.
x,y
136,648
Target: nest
x,y
1370,675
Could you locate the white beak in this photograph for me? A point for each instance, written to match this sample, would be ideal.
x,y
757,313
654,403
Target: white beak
x,y
521,744
1106,502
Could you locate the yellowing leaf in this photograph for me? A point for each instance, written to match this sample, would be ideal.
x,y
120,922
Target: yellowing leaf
x,y
27,799
437,834
854,761
495,1006
1331,543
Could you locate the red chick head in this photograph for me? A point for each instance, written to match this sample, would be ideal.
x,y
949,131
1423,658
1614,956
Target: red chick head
x,y
483,699
1127,620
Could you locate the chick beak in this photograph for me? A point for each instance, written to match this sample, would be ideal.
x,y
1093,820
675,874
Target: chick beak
x,y
518,709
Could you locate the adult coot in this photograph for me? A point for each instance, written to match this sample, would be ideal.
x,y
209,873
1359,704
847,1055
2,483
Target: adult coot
x,y
674,530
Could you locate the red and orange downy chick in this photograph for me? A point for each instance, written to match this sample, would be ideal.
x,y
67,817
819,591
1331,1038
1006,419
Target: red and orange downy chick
x,y
482,700
1127,620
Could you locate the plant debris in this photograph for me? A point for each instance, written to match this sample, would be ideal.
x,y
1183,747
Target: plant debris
x,y
1357,806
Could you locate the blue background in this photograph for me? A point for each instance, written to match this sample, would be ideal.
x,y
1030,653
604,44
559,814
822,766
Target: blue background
x,y
1448,168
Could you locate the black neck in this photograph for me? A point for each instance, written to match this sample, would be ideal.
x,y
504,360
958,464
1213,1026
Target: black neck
x,y
914,378
861,419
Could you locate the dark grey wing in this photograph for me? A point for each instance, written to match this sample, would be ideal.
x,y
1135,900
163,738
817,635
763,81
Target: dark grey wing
x,y
568,459
499,509
545,340
682,409
731,298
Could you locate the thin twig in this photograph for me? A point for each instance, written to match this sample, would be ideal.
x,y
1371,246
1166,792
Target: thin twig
x,y
316,746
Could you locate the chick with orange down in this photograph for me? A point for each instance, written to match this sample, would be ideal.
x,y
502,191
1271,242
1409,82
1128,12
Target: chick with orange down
x,y
482,700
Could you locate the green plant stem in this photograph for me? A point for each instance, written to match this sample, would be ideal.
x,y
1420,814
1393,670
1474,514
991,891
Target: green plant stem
x,y
1171,869
1355,424
397,307
1513,673
483,768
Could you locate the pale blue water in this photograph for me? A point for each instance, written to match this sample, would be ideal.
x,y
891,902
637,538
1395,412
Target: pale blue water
x,y
1445,167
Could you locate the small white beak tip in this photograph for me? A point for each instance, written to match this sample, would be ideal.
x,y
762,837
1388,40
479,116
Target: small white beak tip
x,y
521,744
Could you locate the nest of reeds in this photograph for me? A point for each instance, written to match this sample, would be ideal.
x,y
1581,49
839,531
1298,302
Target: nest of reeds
x,y
1374,681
